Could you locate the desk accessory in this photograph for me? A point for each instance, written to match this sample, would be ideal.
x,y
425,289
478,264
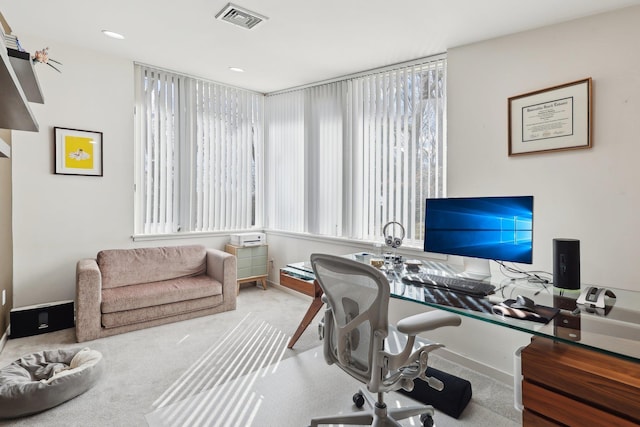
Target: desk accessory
x,y
566,263
594,297
542,314
390,238
413,265
377,262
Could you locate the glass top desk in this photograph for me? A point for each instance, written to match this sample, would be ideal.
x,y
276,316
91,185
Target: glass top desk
x,y
614,330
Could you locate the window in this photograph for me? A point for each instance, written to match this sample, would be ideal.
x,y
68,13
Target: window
x,y
198,154
346,157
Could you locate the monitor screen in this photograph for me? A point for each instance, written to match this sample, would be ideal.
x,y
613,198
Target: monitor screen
x,y
494,228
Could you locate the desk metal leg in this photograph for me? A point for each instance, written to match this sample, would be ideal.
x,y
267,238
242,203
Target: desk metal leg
x,y
313,309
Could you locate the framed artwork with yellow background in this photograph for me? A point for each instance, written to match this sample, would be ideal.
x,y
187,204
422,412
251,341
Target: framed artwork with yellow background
x,y
77,152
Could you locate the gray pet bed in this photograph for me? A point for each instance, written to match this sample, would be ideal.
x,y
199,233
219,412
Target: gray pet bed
x,y
45,379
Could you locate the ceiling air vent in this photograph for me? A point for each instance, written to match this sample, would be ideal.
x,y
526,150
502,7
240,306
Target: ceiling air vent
x,y
239,16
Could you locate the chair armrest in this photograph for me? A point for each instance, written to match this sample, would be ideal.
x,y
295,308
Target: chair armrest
x,y
88,298
412,326
430,320
221,266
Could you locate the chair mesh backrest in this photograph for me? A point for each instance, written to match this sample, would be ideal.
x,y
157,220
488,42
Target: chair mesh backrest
x,y
358,296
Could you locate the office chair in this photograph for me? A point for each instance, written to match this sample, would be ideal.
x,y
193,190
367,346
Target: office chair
x,y
354,329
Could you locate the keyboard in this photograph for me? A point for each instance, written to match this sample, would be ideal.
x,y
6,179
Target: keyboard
x,y
451,284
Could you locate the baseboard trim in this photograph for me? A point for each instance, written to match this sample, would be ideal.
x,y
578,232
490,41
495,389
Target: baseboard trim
x,y
481,368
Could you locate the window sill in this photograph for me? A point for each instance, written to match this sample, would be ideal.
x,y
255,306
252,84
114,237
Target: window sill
x,y
187,235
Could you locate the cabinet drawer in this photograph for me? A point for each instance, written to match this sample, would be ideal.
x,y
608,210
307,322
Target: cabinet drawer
x,y
244,263
531,419
259,270
565,410
244,253
609,383
259,251
243,273
251,251
259,261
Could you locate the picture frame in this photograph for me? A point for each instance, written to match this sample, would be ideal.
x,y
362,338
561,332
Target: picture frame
x,y
77,152
557,118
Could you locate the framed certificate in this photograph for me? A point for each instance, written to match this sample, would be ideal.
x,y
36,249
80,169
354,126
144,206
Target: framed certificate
x,y
553,119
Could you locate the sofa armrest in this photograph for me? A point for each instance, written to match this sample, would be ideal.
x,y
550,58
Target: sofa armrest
x,y
221,266
88,298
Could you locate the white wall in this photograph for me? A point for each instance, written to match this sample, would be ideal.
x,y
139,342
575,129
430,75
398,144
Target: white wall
x,y
590,194
58,219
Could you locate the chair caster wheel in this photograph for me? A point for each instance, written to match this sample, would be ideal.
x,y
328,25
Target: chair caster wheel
x,y
426,420
358,399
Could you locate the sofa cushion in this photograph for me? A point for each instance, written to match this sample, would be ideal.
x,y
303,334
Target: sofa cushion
x,y
124,267
146,314
158,293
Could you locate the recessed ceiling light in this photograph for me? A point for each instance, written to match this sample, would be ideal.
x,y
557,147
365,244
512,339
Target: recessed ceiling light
x,y
112,34
236,69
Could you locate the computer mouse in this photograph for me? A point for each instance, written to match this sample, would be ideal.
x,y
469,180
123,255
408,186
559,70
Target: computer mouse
x,y
524,303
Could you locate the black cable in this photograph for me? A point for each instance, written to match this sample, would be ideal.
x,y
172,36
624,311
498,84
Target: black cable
x,y
533,276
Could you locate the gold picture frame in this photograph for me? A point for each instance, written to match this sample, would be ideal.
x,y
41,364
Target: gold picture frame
x,y
552,119
77,152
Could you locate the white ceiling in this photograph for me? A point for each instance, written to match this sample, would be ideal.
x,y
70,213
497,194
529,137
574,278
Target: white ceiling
x,y
303,41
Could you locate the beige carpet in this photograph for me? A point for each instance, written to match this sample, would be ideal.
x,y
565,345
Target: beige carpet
x,y
289,394
195,372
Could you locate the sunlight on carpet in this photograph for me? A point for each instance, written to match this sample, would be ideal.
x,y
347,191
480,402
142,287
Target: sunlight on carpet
x,y
251,347
246,380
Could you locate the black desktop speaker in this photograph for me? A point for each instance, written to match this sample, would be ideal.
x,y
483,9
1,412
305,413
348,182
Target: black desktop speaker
x,y
566,263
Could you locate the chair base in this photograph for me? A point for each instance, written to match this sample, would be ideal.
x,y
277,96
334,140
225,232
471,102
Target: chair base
x,y
375,415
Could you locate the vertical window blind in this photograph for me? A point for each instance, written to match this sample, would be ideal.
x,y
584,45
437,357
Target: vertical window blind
x,y
285,179
199,154
346,157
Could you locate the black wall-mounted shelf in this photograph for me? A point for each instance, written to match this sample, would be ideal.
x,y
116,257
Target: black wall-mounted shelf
x,y
16,71
24,68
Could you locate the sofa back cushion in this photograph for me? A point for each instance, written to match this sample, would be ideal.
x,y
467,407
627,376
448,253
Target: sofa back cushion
x,y
123,267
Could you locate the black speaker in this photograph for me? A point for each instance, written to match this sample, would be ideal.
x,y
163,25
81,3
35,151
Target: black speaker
x,y
39,319
566,263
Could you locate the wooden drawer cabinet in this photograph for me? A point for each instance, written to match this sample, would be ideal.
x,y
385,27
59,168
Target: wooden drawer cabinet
x,y
252,263
569,385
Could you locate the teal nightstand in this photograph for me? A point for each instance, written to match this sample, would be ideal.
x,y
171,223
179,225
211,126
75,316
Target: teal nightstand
x,y
252,263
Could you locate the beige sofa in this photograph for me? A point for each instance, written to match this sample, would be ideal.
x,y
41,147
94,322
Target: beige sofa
x,y
128,289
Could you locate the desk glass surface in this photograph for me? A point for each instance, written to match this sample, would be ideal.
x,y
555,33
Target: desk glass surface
x,y
614,330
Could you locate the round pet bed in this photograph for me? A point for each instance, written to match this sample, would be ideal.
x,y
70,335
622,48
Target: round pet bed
x,y
45,379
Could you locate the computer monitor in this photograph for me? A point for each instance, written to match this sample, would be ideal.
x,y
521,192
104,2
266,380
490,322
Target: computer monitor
x,y
480,229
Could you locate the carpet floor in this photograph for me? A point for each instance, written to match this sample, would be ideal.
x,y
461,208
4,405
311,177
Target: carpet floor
x,y
289,395
230,369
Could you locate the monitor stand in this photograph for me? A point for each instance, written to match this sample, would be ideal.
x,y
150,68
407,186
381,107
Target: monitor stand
x,y
475,268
